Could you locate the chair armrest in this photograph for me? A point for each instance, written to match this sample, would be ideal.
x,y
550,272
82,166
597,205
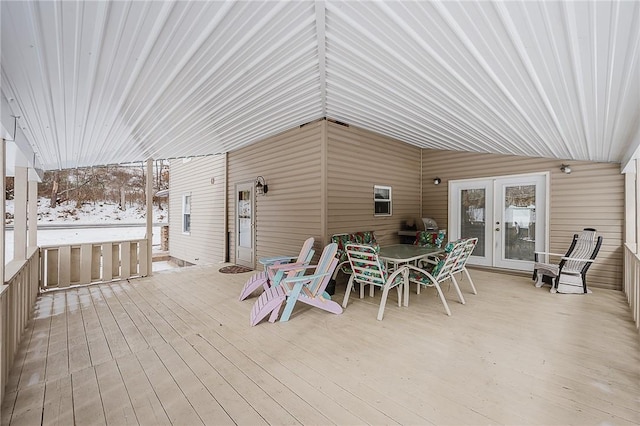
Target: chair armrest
x,y
286,267
549,253
276,259
404,270
304,278
578,259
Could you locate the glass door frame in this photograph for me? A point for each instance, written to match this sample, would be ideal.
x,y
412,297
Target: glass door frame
x,y
245,255
500,259
494,216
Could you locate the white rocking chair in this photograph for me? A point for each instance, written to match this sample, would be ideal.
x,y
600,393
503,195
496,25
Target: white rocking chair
x,y
570,275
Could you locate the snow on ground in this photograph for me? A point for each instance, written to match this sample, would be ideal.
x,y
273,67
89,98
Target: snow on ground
x,y
99,212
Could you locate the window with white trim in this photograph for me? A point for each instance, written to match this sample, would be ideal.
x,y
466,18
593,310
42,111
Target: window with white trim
x,y
381,200
186,213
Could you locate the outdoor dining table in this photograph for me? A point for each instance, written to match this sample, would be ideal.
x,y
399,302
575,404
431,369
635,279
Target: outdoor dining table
x,y
399,254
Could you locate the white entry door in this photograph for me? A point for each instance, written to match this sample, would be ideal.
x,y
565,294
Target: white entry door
x,y
507,215
245,224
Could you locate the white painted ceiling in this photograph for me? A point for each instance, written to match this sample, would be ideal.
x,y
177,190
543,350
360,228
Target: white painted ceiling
x,y
114,82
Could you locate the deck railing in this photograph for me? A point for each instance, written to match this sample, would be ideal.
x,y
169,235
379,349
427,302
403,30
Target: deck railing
x,y
50,267
632,282
87,263
17,299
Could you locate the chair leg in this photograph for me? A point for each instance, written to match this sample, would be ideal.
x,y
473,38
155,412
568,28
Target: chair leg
x,y
347,292
442,299
274,314
399,291
383,302
292,298
473,287
457,287
540,283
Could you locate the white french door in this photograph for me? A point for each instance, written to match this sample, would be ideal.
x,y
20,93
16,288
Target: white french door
x,y
245,224
506,214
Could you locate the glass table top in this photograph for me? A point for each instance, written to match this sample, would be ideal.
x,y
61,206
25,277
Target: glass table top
x,y
406,252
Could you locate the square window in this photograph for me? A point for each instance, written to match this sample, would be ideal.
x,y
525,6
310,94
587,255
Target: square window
x,y
186,213
382,200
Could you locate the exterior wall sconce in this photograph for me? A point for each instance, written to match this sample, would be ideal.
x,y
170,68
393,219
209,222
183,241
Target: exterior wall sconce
x,y
565,168
437,181
261,186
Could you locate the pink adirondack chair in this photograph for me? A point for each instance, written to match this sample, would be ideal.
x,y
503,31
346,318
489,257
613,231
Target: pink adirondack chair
x,y
277,266
309,289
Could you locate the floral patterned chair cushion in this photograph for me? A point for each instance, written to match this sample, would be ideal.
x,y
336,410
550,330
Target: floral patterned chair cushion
x,y
365,237
430,238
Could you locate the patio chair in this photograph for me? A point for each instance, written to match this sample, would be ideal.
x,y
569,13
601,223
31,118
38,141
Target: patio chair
x,y
433,239
275,266
369,270
441,272
570,275
461,265
309,289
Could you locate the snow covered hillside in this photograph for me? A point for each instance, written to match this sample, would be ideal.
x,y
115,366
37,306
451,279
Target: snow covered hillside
x,y
100,212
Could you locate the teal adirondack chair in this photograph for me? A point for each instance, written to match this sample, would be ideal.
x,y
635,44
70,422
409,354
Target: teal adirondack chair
x,y
275,268
309,289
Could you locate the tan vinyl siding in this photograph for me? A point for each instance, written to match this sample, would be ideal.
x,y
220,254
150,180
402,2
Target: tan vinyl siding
x,y
356,161
290,212
592,196
206,241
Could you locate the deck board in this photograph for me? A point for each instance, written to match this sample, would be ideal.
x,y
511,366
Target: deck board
x,y
58,402
177,348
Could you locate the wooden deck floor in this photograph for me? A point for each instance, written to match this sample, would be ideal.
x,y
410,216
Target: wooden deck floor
x,y
177,348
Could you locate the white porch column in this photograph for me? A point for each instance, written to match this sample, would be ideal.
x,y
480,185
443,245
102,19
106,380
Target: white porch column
x,y
635,220
20,214
3,189
149,193
32,218
630,209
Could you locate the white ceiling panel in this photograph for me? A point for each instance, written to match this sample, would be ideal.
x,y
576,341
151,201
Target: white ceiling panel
x,y
111,82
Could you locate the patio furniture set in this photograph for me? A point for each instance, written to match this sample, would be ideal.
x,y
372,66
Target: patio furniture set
x,y
285,280
425,263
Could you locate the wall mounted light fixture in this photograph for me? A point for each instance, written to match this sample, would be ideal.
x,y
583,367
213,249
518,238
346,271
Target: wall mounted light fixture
x,y
261,186
437,181
565,168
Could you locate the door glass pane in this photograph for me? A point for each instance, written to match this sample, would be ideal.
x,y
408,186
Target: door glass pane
x,y
472,209
520,222
244,219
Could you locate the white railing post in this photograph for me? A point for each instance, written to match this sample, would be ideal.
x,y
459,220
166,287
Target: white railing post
x,y
3,313
149,234
20,213
32,218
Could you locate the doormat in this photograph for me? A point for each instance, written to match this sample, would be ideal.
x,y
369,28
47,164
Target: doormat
x,y
235,269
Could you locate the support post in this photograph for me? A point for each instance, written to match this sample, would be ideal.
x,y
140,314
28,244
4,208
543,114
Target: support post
x,y
635,220
149,193
20,214
3,189
33,213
